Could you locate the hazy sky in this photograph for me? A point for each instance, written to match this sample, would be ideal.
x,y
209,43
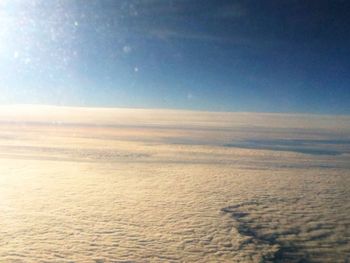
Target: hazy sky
x,y
279,56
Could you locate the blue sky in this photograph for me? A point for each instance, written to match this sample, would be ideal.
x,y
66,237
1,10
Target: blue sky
x,y
261,56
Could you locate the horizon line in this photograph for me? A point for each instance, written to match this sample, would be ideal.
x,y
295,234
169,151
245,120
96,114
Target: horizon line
x,y
174,109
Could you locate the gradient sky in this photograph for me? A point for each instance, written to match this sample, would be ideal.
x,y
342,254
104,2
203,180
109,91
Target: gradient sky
x,y
262,56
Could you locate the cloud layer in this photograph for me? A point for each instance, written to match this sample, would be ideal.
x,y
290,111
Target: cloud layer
x,y
116,185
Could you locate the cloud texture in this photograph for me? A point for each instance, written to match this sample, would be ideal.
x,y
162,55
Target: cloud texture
x,y
116,185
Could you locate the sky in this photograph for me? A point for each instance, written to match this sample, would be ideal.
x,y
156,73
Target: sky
x,y
256,56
